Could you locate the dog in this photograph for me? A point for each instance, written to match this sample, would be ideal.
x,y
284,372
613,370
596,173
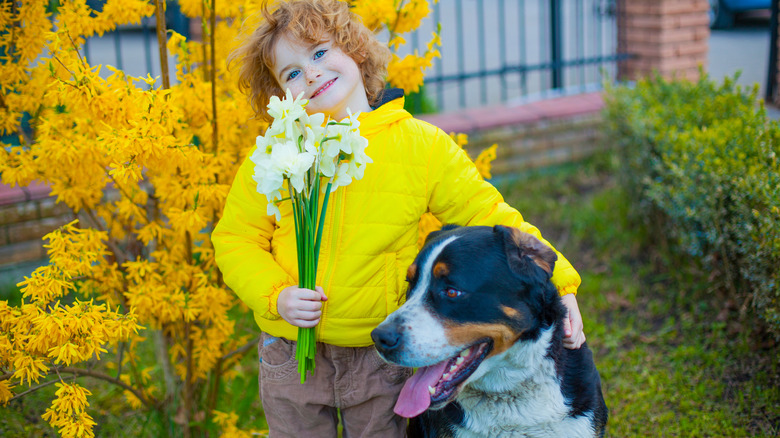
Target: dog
x,y
483,324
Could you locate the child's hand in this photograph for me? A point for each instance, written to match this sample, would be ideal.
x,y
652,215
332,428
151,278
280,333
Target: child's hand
x,y
301,307
574,337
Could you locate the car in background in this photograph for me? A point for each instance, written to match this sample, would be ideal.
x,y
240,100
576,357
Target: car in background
x,y
722,11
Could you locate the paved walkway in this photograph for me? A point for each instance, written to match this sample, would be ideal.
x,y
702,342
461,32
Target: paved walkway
x,y
745,49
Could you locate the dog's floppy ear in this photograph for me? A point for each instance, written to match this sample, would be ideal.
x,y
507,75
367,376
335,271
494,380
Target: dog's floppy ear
x,y
518,245
434,234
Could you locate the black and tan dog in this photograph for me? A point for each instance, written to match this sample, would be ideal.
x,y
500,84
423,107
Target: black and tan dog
x,y
484,325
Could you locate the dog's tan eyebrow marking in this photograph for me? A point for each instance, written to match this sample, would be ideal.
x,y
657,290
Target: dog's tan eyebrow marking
x,y
510,312
411,271
466,334
440,270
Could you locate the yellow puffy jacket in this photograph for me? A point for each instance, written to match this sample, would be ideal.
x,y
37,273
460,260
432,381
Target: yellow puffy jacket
x,y
370,234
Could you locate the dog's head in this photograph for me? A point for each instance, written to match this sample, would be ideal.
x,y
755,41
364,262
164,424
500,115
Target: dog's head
x,y
473,293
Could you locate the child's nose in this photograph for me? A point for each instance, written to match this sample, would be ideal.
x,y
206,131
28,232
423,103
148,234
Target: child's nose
x,y
311,72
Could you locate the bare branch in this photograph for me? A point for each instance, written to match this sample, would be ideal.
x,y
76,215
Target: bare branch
x,y
33,389
241,350
80,372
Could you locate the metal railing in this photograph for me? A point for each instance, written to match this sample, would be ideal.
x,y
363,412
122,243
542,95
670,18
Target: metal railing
x,y
493,51
499,51
772,80
134,48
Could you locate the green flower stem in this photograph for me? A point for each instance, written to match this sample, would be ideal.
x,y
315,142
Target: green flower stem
x,y
309,222
322,221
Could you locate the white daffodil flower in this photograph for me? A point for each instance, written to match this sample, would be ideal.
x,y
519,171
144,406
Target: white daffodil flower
x,y
313,125
272,205
267,176
341,178
294,143
328,166
268,179
292,163
286,111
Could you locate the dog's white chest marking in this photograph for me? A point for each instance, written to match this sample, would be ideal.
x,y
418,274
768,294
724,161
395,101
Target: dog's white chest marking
x,y
517,394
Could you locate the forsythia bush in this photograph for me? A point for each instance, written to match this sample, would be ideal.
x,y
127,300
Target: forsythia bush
x,y
145,167
703,161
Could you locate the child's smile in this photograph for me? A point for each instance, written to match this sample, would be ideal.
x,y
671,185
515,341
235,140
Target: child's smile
x,y
328,77
322,88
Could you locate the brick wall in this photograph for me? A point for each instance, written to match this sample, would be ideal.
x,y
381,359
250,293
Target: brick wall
x,y
26,215
667,36
537,134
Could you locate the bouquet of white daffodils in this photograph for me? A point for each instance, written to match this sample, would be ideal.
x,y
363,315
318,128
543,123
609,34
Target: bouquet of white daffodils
x,y
295,156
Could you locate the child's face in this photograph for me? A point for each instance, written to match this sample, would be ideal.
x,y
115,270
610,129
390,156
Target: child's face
x,y
328,77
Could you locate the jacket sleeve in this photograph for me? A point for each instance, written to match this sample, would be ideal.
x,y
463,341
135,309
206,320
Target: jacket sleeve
x,y
242,245
458,195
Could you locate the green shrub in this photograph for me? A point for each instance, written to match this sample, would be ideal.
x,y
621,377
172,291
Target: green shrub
x,y
701,160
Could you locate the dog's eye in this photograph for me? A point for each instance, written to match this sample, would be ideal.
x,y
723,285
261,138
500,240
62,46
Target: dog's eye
x,y
452,293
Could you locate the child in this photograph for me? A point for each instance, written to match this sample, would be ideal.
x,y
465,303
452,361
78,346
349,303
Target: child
x,y
320,48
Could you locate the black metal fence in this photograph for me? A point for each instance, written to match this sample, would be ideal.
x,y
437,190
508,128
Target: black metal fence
x,y
133,48
772,82
493,51
496,51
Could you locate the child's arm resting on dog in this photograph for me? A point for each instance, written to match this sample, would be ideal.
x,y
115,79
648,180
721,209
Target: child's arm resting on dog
x,y
242,244
457,195
574,337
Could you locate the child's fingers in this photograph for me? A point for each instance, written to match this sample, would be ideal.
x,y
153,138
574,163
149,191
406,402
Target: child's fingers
x,y
574,342
305,319
321,291
310,295
567,327
309,306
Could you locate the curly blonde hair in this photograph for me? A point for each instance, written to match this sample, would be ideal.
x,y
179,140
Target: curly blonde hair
x,y
307,21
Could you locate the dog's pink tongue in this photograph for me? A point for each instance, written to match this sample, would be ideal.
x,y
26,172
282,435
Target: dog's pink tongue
x,y
415,398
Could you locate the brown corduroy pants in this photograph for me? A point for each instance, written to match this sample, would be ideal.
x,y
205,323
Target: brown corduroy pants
x,y
354,381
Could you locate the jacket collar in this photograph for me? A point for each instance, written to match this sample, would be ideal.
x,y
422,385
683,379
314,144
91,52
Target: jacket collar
x,y
391,110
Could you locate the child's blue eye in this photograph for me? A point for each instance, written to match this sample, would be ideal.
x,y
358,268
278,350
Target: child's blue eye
x,y
319,54
293,74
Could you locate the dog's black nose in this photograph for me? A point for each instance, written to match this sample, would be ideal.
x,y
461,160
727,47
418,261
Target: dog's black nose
x,y
385,338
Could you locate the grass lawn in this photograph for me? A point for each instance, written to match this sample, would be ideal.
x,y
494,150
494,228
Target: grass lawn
x,y
675,358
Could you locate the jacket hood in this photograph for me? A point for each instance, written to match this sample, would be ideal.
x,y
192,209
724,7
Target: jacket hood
x,y
390,111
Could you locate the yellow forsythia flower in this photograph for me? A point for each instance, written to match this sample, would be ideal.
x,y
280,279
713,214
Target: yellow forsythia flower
x,y
375,13
410,16
484,161
68,411
5,392
407,73
147,170
227,421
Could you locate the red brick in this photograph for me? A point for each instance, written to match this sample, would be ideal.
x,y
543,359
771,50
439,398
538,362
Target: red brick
x,y
18,212
491,117
450,122
696,19
34,230
665,7
691,49
651,50
11,195
647,21
664,36
22,252
49,207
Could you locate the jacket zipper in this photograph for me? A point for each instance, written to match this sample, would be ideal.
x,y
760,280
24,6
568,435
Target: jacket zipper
x,y
335,227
